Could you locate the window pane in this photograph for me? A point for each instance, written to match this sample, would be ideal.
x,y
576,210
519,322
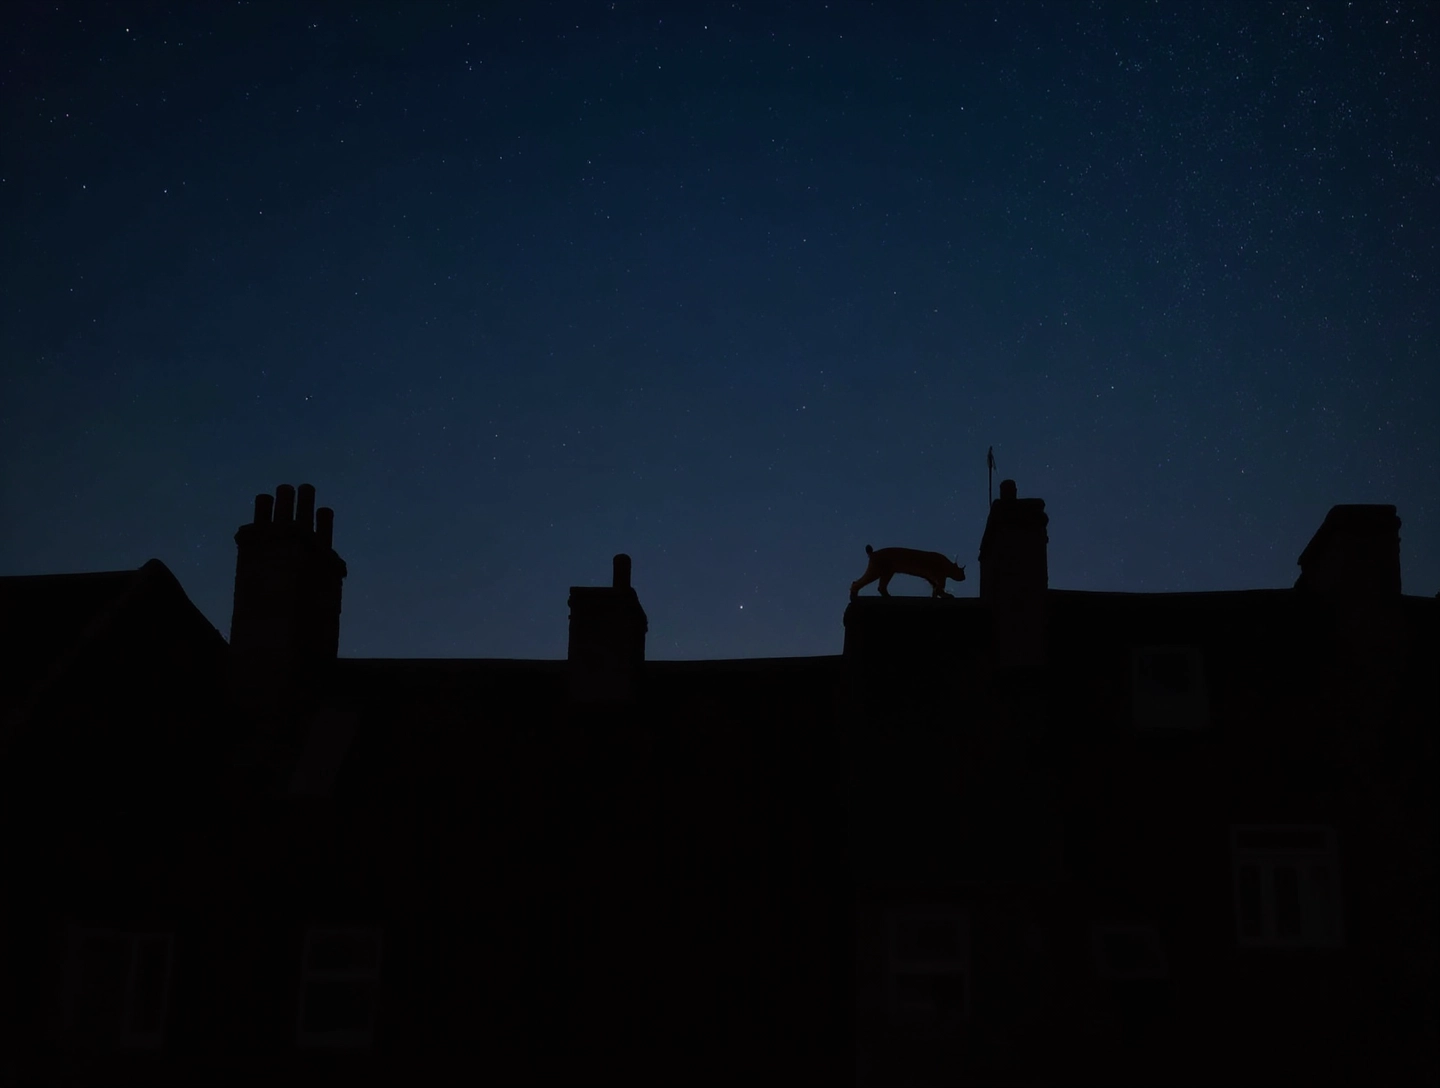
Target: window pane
x,y
147,999
344,951
1248,878
1321,913
931,995
100,989
1126,951
338,1005
1287,901
1279,839
325,750
1166,674
927,939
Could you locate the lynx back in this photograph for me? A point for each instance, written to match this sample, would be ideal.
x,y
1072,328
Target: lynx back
x,y
884,564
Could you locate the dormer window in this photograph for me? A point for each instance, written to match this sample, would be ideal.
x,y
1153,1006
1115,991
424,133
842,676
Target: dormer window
x,y
326,746
1168,688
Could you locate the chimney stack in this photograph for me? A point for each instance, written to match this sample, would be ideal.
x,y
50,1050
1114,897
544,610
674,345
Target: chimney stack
x,y
1356,551
286,622
607,639
1015,576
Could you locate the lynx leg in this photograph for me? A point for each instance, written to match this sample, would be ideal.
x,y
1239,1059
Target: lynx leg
x,y
856,587
885,584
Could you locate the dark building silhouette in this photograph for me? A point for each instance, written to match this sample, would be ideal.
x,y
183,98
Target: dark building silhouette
x,y
1034,837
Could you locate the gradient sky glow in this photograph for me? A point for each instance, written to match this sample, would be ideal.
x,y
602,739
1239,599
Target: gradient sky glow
x,y
735,288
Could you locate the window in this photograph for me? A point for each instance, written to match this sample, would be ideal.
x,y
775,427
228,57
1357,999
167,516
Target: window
x,y
1287,886
339,987
929,967
325,748
1128,951
117,988
1169,688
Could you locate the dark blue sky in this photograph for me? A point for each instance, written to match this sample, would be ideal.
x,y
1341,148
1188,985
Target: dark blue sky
x,y
735,288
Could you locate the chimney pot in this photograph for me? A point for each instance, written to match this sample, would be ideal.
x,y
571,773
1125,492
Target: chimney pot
x,y
305,509
264,508
325,526
1007,491
284,504
621,578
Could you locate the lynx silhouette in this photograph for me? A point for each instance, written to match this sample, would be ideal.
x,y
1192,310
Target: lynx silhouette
x,y
888,562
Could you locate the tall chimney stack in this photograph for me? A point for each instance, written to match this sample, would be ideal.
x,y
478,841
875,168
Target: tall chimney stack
x,y
286,622
607,639
1015,575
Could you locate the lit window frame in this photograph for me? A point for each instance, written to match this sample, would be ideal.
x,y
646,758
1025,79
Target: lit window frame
x,y
345,1038
1265,862
122,1033
898,965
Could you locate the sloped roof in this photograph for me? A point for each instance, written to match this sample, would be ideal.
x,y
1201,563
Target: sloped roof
x,y
42,616
47,622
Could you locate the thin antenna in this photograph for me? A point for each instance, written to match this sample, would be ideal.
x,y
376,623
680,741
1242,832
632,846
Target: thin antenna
x,y
990,473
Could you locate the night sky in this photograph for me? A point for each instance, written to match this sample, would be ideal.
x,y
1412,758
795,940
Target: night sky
x,y
735,288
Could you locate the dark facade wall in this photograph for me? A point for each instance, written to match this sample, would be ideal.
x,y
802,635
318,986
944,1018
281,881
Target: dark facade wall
x,y
650,904
1147,819
1151,818
99,810
666,891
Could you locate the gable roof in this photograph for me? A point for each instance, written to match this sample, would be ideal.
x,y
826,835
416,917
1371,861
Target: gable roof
x,y
49,621
42,617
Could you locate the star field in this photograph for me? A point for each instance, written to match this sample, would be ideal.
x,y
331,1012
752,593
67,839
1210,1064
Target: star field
x,y
735,288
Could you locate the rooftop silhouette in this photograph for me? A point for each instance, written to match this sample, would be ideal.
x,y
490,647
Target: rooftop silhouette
x,y
1038,835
